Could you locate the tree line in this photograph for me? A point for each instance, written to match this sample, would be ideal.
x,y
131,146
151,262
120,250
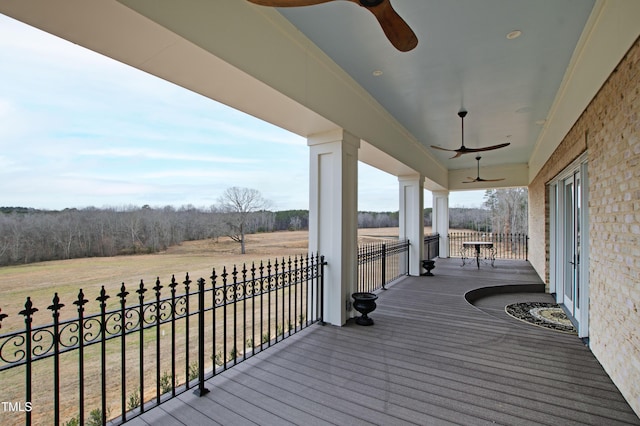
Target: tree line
x,y
29,235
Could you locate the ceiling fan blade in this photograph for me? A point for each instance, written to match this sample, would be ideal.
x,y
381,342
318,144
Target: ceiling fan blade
x,y
288,3
457,151
463,149
444,149
488,148
479,179
395,28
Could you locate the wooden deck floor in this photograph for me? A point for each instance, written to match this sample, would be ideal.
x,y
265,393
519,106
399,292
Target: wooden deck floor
x,y
430,358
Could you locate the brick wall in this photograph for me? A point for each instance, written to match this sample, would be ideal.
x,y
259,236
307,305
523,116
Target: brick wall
x,y
609,129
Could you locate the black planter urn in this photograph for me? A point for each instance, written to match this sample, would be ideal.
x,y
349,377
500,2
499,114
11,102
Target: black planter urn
x,y
364,303
428,264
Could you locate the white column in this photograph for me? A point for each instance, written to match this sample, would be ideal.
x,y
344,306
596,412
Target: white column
x,y
440,219
333,216
411,218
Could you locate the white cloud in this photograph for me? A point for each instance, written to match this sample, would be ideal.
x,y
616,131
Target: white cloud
x,y
79,129
155,154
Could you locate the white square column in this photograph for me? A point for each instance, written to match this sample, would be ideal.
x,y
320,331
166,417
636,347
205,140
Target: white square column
x,y
411,218
440,219
333,216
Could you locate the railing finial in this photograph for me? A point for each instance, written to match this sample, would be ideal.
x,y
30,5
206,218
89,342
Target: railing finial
x,y
56,305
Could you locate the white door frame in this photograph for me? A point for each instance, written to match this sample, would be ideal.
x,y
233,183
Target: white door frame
x,y
559,263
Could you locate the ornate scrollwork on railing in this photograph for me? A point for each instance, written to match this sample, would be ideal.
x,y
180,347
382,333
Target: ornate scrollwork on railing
x,y
68,334
42,342
12,348
91,329
113,324
88,330
288,289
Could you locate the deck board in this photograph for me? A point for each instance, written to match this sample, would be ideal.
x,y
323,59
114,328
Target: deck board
x,y
430,358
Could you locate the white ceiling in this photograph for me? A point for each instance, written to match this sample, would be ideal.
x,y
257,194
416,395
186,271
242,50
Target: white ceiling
x,y
463,61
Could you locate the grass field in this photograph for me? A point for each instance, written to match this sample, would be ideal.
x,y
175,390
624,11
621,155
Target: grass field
x,y
41,280
198,258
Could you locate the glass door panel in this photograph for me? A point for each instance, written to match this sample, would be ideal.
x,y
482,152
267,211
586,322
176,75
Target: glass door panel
x,y
577,237
568,243
572,231
569,238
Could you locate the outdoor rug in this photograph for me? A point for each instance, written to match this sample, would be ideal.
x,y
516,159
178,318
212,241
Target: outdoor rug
x,y
547,315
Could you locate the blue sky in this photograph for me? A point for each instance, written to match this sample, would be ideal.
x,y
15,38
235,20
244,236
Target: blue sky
x,y
78,129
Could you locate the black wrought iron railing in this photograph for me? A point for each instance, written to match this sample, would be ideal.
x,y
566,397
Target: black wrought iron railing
x,y
149,344
380,263
431,248
505,246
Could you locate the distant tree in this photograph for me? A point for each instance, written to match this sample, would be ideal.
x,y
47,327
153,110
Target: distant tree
x,y
291,220
295,223
469,218
239,204
508,209
428,216
377,219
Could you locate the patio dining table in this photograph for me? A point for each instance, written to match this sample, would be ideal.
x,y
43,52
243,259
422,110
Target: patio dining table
x,y
478,245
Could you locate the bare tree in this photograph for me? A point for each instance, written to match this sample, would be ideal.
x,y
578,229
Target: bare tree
x,y
239,204
508,209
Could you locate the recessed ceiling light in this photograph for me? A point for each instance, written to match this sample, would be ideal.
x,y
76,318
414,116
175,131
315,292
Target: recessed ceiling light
x,y
377,73
541,122
514,34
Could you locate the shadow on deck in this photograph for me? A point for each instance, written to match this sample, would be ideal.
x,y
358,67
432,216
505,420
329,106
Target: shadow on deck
x,y
430,358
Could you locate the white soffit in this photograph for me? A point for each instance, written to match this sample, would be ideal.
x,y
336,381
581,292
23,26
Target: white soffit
x,y
613,27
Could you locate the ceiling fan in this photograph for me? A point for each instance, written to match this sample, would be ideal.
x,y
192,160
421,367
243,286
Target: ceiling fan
x,y
395,28
479,179
463,149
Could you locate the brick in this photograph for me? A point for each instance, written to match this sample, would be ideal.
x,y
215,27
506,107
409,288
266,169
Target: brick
x,y
612,125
